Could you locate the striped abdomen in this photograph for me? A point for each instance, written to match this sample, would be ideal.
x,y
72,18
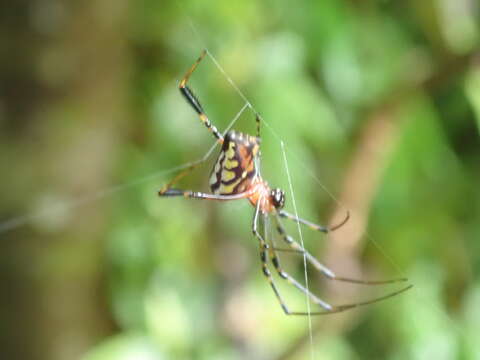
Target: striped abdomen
x,y
235,167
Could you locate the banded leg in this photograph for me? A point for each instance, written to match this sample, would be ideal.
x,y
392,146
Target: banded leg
x,y
264,259
324,229
165,188
329,274
258,120
329,309
189,194
284,275
194,102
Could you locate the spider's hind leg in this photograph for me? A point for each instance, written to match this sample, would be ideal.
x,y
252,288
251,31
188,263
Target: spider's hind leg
x,y
296,247
328,309
316,227
329,274
264,250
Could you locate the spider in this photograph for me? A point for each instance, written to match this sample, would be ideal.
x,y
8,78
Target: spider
x,y
235,176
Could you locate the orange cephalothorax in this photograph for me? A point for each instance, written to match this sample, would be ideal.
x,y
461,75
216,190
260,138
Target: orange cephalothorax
x,y
235,167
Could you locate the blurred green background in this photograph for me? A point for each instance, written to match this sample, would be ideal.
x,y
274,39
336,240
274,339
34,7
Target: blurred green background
x,y
378,104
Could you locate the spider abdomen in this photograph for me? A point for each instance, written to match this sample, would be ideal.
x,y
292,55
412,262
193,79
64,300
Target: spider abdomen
x,y
235,169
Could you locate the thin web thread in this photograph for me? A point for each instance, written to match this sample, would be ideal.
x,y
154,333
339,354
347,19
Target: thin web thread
x,y
290,184
64,206
19,221
311,174
340,204
275,134
217,64
240,93
334,198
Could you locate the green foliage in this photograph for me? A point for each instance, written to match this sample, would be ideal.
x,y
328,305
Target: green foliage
x,y
188,271
332,80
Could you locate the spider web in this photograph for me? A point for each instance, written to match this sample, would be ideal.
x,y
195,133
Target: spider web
x,y
305,272
66,206
282,145
70,205
311,174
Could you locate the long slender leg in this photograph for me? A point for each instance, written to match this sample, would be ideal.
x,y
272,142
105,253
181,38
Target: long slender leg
x,y
264,249
258,120
199,195
284,275
311,225
295,246
329,309
264,259
194,102
165,188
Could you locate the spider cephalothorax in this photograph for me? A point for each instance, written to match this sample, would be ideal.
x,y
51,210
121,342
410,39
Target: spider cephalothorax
x,y
277,197
235,176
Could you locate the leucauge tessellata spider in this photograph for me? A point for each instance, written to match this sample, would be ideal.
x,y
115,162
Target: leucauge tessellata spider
x,y
236,176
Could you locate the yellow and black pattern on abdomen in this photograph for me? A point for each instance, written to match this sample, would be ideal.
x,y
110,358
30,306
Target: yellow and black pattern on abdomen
x,y
235,167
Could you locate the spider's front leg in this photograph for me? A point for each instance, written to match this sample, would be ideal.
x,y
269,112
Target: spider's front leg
x,y
194,102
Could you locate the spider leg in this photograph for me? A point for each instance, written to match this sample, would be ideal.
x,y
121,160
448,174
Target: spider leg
x,y
203,196
194,102
329,309
311,225
264,249
329,274
339,308
258,120
165,188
